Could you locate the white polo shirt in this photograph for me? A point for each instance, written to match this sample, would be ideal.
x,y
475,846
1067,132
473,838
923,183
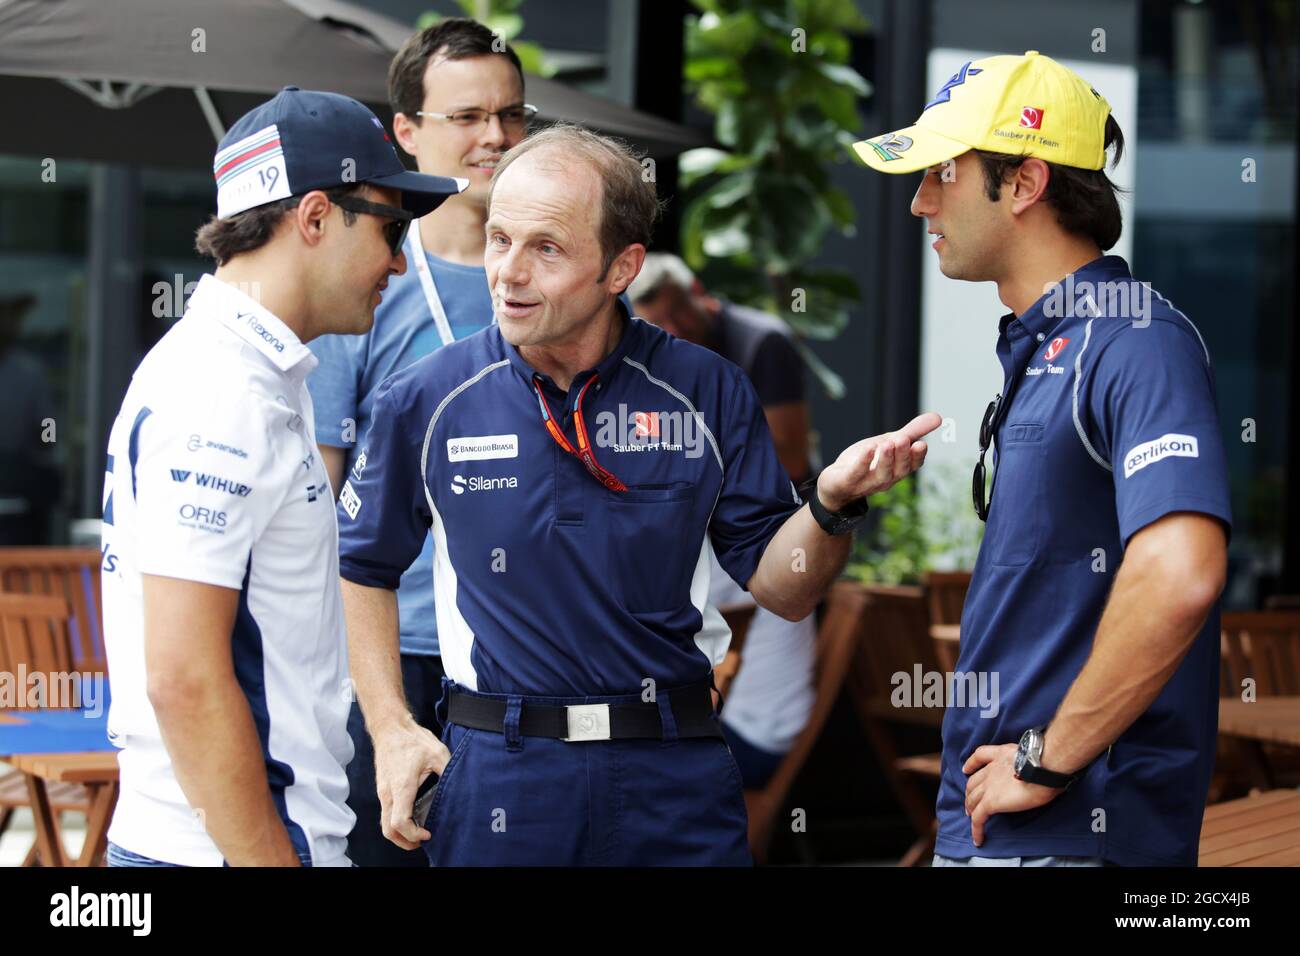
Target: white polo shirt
x,y
213,477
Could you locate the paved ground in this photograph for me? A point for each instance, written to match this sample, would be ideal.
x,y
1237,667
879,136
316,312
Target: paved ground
x,y
19,837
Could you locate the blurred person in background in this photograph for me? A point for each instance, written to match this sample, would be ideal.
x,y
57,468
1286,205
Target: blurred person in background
x,y
771,694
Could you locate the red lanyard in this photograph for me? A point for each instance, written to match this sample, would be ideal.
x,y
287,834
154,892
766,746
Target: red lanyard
x,y
583,452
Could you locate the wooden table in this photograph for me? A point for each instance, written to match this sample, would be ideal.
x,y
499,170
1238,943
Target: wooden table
x,y
1262,830
94,770
97,772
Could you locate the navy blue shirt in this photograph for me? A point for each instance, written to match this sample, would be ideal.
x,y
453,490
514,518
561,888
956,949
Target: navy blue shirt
x,y
1109,424
546,582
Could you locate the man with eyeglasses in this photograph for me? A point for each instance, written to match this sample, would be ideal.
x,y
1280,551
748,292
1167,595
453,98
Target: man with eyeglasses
x,y
222,614
1094,599
458,104
575,467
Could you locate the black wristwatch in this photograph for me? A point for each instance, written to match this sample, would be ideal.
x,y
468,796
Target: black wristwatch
x,y
834,522
1029,766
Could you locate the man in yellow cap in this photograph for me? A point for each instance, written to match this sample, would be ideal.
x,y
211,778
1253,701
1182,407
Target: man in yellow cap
x,y
1094,599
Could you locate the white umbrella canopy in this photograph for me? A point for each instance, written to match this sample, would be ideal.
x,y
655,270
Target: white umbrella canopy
x,y
157,81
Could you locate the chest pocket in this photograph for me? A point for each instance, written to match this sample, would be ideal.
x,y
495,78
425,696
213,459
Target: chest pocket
x,y
646,526
1016,517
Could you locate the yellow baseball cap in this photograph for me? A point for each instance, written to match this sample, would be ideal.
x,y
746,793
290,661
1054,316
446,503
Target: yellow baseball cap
x,y
1023,105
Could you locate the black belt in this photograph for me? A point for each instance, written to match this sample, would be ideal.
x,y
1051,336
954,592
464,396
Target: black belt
x,y
692,710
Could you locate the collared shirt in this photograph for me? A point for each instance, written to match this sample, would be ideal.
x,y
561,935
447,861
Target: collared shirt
x,y
1108,424
213,477
546,582
351,369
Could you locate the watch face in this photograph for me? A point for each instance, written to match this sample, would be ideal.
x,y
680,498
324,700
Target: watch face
x,y
1020,761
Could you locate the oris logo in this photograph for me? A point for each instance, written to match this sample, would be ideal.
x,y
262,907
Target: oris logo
x,y
203,516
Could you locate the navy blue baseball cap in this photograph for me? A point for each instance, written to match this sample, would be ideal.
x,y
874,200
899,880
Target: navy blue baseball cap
x,y
306,139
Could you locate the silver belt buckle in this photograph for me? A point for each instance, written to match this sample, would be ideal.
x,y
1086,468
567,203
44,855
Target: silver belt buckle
x,y
588,722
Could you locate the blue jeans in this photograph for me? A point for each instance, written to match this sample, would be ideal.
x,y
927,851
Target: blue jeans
x,y
1020,861
367,846
117,856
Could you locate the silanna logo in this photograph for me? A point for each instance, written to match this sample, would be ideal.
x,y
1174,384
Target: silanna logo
x,y
460,484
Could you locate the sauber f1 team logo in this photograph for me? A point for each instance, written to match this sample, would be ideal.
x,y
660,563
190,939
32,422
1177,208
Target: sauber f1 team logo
x,y
1056,348
1031,117
647,424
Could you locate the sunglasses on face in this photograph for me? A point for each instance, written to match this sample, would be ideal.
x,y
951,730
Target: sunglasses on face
x,y
395,230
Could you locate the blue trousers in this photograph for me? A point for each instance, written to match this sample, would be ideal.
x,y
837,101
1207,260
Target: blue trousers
x,y
508,800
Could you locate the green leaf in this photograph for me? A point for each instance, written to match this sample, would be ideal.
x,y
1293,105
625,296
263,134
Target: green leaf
x,y
845,76
841,208
533,58
505,25
830,382
729,241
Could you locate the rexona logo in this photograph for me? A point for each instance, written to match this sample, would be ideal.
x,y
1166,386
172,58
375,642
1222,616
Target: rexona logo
x,y
261,331
213,482
460,484
1166,446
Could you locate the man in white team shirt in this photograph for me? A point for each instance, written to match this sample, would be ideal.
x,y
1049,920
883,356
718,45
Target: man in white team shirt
x,y
222,614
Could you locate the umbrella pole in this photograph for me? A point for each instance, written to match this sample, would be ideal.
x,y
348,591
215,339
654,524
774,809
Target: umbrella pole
x,y
210,112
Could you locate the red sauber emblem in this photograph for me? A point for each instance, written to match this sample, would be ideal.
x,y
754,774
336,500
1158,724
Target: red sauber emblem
x,y
647,424
1056,348
1031,117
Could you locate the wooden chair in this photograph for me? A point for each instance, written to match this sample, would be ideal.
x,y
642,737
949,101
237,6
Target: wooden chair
x,y
35,638
71,574
945,595
896,639
1263,646
836,638
738,619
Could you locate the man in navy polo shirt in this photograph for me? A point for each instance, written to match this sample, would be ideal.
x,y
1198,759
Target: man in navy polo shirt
x,y
1094,597
575,466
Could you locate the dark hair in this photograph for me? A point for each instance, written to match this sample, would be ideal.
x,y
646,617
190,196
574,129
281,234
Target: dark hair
x,y
223,239
628,204
1085,200
456,38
